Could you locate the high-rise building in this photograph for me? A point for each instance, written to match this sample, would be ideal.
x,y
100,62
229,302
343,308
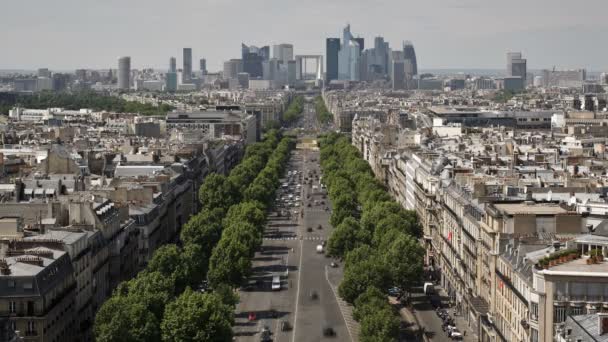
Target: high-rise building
x,y
187,68
516,66
203,65
283,52
349,57
171,81
243,80
361,42
44,72
124,73
410,54
232,68
271,69
172,65
398,75
253,58
291,73
332,48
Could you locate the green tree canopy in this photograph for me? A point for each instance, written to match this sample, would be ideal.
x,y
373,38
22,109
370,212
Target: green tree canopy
x,y
197,317
380,326
122,320
217,192
347,236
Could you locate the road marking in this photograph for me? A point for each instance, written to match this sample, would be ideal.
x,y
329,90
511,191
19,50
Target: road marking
x,y
295,316
338,302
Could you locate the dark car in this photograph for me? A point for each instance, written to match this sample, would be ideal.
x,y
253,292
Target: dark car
x,y
265,334
329,332
285,326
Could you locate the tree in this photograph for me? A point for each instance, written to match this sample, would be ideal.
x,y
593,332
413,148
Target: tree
x,y
122,320
368,302
360,276
229,264
217,192
346,237
204,229
380,326
405,257
152,289
343,206
250,211
166,260
197,317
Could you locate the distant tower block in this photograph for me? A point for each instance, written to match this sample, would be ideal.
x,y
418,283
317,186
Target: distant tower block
x,y
124,73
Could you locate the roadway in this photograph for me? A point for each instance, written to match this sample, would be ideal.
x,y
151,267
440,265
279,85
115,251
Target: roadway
x,y
306,301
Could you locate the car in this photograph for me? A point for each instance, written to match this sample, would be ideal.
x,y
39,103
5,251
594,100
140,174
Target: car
x,y
320,227
333,264
285,326
309,229
394,291
251,284
265,334
329,332
276,283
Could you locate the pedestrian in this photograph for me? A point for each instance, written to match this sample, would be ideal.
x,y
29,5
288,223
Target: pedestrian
x,y
464,333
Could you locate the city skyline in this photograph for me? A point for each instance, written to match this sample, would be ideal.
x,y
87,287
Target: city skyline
x,y
540,32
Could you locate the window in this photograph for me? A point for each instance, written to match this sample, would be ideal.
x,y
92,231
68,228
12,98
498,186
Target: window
x,y
559,314
27,285
533,311
533,335
31,327
11,283
12,307
576,310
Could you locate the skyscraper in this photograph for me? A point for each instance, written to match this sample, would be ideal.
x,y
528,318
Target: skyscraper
x,y
252,60
398,75
171,81
187,69
203,65
332,48
349,57
361,42
283,52
232,68
516,66
124,73
172,65
410,54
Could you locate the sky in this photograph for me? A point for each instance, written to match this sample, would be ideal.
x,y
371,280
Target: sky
x,y
71,34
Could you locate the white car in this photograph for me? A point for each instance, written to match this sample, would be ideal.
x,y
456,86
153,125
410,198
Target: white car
x,y
276,283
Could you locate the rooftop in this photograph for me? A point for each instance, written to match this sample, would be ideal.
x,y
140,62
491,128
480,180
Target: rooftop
x,y
530,209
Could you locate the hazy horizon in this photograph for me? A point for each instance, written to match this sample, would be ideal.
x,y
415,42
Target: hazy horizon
x,y
447,34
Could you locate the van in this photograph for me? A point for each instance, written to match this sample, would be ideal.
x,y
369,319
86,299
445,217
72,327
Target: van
x,y
276,283
429,289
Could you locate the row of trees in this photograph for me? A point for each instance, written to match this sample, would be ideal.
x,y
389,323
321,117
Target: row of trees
x,y
217,243
323,115
375,236
78,100
294,111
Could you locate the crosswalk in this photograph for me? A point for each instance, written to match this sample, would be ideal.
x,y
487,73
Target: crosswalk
x,y
307,238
